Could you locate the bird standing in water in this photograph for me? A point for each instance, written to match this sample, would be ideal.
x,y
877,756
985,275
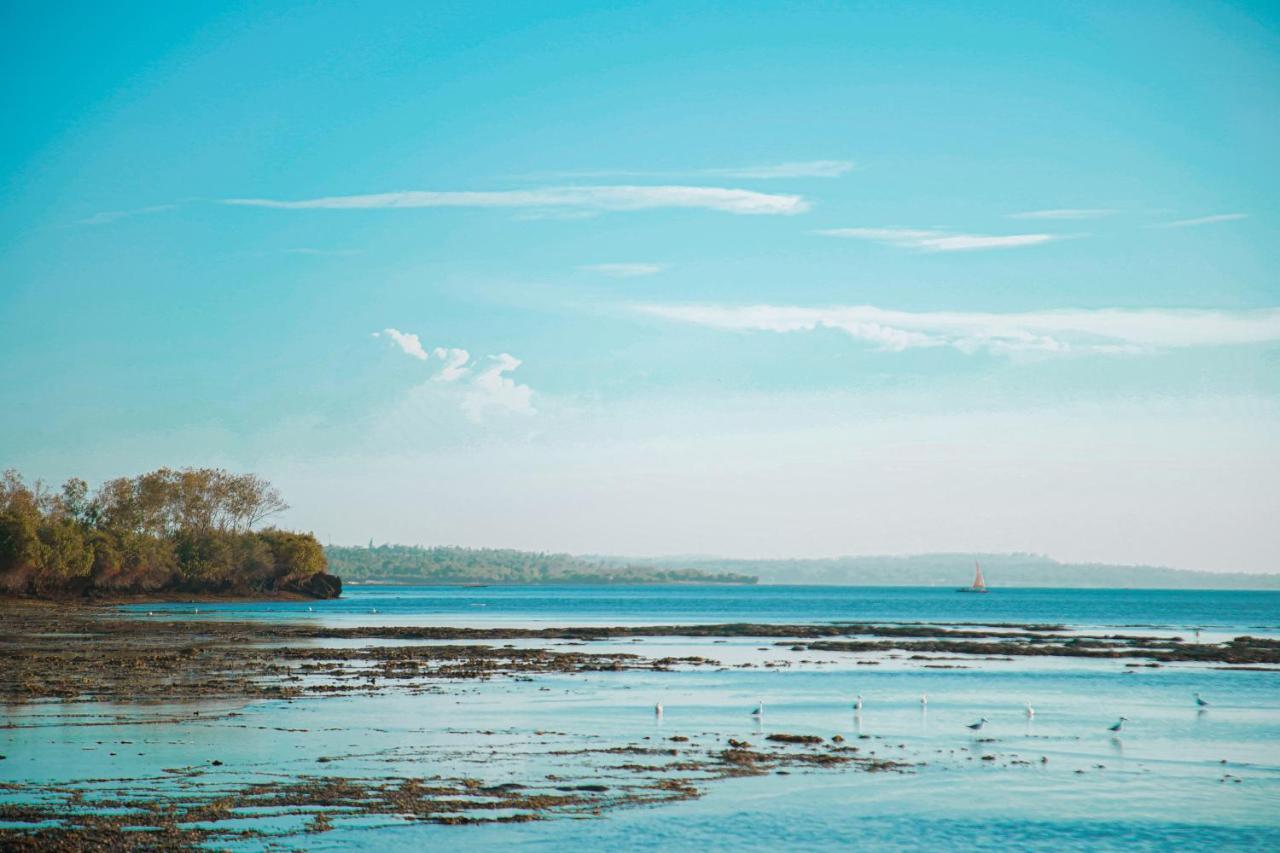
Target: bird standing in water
x,y
857,704
977,727
1201,702
1119,724
759,711
657,710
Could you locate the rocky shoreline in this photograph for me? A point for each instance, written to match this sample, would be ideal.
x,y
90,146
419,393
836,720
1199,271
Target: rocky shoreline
x,y
91,654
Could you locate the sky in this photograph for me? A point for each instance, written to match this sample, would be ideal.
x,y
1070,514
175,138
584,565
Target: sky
x,y
757,280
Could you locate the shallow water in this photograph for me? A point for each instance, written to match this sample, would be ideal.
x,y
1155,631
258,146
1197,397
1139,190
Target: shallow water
x,y
1176,776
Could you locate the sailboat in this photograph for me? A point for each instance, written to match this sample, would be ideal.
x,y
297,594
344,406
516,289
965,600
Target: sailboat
x,y
979,585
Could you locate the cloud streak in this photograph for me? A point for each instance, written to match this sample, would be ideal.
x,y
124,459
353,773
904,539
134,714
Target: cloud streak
x,y
1102,331
939,241
1066,213
1203,220
623,270
106,217
582,198
764,171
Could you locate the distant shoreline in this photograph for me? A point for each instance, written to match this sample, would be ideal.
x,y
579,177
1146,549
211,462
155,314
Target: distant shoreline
x,y
869,585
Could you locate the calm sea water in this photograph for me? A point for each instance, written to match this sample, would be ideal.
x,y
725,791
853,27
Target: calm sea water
x,y
1237,611
1177,777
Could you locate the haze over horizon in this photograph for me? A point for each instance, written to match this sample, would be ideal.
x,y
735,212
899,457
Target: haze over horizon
x,y
780,283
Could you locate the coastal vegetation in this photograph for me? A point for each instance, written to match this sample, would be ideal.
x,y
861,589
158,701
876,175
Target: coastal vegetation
x,y
447,565
189,530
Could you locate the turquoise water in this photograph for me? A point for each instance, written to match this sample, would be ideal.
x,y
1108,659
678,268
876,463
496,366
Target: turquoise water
x,y
1231,610
1176,777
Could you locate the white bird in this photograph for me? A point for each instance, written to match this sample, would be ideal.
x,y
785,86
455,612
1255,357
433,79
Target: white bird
x,y
1118,725
924,699
759,709
857,703
1031,712
1201,702
657,710
977,727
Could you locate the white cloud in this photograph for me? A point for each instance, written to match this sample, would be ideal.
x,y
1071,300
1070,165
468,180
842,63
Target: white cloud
x,y
1066,213
1203,220
624,270
939,241
491,389
408,343
455,363
1106,331
590,198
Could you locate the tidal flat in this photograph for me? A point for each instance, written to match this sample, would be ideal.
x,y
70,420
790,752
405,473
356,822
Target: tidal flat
x,y
167,727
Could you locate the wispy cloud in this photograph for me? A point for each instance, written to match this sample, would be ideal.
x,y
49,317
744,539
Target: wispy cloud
x,y
590,198
1106,331
800,169
940,241
408,343
1203,220
1066,213
108,216
623,270
764,171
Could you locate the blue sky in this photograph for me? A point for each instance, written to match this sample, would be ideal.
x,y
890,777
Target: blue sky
x,y
783,280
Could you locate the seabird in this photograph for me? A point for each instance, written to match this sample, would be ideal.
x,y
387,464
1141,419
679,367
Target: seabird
x,y
857,703
924,699
1118,725
759,710
1201,702
982,721
657,710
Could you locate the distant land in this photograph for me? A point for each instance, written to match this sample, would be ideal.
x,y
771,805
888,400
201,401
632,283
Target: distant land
x,y
449,565
1008,570
454,565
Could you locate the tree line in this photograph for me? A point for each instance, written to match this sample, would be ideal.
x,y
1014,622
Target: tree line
x,y
169,530
500,565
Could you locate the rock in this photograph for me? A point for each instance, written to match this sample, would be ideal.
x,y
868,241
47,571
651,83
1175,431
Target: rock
x,y
805,739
